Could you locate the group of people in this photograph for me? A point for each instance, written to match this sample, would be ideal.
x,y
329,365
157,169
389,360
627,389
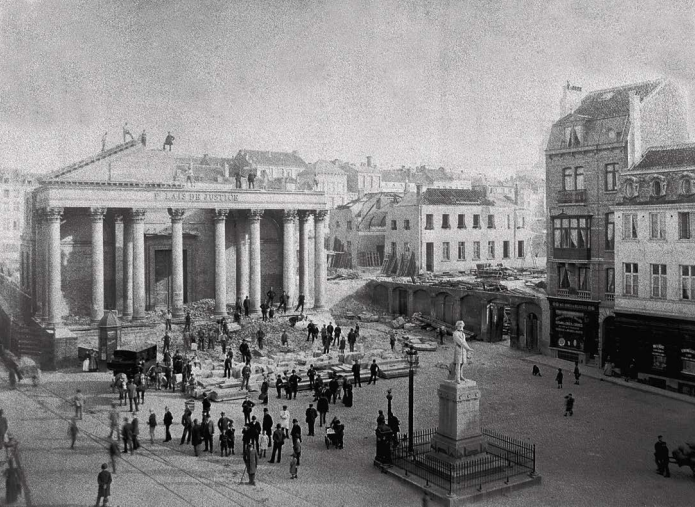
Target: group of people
x,y
332,336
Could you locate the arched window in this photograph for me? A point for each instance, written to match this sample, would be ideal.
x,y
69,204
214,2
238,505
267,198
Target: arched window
x,y
686,186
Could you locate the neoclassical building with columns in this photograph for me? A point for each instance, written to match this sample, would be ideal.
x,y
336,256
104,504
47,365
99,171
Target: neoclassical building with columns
x,y
129,229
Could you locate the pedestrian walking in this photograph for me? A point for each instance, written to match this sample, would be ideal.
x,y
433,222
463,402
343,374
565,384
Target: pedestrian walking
x,y
373,372
278,442
251,461
569,405
196,437
285,420
114,452
78,402
311,415
113,421
73,430
267,425
135,423
293,467
152,423
168,421
127,436
356,373
558,378
187,426
322,407
536,371
577,374
300,304
661,457
104,480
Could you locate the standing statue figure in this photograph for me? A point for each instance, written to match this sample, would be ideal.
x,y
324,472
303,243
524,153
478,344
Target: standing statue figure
x,y
461,351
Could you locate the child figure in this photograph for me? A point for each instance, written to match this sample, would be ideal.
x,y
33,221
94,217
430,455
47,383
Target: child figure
x,y
293,466
569,405
230,437
224,449
558,378
577,374
262,444
536,371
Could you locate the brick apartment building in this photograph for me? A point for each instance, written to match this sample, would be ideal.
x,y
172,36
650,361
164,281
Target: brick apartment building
x,y
655,263
587,150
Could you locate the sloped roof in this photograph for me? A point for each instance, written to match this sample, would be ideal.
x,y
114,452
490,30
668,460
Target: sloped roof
x,y
393,175
613,102
451,196
326,167
678,155
116,150
273,158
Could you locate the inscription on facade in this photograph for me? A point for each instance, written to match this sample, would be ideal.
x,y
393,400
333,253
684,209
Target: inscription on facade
x,y
195,197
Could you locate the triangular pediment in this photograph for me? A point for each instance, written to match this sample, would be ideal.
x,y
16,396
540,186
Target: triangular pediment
x,y
127,162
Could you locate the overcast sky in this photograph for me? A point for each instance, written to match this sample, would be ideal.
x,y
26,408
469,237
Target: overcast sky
x,y
472,84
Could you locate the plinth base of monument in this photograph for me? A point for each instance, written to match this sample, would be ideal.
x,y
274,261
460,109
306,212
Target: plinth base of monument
x,y
445,497
453,451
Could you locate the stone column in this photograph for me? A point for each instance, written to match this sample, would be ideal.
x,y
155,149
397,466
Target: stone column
x,y
304,217
254,217
54,289
220,262
118,239
40,264
177,260
289,253
128,269
242,257
139,264
320,273
97,216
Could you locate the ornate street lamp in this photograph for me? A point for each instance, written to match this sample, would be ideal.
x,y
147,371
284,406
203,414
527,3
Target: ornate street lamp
x,y
389,397
411,356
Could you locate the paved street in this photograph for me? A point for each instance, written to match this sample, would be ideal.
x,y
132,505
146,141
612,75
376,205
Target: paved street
x,y
584,460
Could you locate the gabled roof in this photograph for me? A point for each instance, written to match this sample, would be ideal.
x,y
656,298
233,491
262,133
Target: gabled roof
x,y
613,102
272,158
326,167
678,155
451,196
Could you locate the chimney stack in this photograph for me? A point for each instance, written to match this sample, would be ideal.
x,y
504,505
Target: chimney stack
x,y
634,148
226,169
418,192
571,98
516,194
369,161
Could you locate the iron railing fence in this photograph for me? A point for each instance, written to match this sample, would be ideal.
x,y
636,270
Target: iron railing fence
x,y
506,457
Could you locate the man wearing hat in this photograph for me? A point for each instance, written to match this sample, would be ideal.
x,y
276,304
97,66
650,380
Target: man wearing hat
x,y
246,375
104,479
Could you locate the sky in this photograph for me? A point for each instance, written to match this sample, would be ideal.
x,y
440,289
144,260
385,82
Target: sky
x,y
470,85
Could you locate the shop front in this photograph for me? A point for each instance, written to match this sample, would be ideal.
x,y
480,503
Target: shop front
x,y
574,329
663,350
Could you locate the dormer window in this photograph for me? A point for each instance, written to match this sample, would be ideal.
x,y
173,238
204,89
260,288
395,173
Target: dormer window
x,y
573,136
611,135
658,187
686,186
630,188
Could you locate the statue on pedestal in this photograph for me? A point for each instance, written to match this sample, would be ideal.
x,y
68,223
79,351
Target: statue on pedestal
x,y
461,351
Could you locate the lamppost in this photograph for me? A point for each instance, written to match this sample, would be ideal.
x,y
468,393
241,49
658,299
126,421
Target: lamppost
x,y
389,397
411,356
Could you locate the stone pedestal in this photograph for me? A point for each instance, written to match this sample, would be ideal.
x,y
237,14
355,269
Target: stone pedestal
x,y
458,436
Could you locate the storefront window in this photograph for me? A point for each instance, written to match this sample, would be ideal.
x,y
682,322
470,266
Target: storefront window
x,y
658,357
688,358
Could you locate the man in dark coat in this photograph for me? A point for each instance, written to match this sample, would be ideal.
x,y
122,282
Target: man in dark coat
x,y
246,408
268,425
294,384
300,303
373,372
661,457
278,386
104,479
278,442
322,406
283,302
329,331
136,432
251,461
296,431
311,374
311,415
255,431
336,333
186,423
309,330
333,386
168,421
206,404
228,365
187,320
356,373
270,295
245,351
264,312
247,305
260,335
196,436
127,435
132,395
352,338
